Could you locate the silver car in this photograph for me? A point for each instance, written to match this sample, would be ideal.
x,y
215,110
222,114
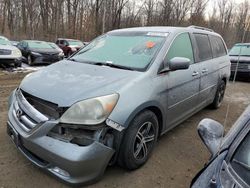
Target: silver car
x,y
111,101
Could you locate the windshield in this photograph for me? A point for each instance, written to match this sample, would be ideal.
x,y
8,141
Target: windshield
x,y
136,51
40,45
75,43
53,45
243,50
4,42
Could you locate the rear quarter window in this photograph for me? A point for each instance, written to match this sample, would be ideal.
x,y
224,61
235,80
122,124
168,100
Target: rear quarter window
x,y
204,51
218,47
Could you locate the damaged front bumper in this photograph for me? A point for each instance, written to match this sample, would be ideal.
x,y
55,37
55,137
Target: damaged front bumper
x,y
72,161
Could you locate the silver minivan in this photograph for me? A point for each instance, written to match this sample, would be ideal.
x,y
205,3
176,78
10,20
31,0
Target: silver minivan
x,y
111,100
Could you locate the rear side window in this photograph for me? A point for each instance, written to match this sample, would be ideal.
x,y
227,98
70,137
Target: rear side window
x,y
181,47
204,48
218,46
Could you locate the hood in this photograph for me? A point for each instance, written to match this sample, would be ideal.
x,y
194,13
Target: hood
x,y
45,50
68,82
242,58
8,47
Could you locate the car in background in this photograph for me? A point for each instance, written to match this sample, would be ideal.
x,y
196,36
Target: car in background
x,y
69,46
9,55
39,52
229,165
240,53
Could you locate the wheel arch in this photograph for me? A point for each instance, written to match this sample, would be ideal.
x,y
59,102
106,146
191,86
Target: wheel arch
x,y
153,106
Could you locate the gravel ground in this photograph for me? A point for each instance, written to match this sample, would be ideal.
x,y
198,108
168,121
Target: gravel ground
x,y
177,157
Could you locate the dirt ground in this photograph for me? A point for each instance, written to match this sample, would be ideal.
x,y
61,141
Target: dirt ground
x,y
177,158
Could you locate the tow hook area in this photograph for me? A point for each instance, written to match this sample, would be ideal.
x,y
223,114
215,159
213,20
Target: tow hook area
x,y
83,136
105,137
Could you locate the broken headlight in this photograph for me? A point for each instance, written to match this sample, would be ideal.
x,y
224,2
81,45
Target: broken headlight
x,y
90,111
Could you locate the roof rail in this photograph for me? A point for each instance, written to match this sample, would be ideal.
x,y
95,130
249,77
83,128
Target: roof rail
x,y
202,28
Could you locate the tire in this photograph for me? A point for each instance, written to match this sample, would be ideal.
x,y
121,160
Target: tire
x,y
219,95
139,140
29,60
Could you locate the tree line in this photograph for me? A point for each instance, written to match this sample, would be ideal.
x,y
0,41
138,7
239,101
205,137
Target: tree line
x,y
86,19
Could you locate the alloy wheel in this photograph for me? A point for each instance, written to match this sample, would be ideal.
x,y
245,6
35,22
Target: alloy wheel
x,y
144,141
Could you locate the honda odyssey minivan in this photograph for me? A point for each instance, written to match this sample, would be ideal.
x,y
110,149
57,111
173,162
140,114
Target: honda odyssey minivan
x,y
112,100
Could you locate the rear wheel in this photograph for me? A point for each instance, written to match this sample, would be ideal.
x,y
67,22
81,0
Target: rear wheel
x,y
219,95
139,140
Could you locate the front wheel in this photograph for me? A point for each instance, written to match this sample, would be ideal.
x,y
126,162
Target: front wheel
x,y
139,140
219,95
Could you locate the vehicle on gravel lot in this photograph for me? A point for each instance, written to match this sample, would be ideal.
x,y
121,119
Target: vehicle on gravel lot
x,y
240,53
9,55
111,101
39,52
69,46
229,165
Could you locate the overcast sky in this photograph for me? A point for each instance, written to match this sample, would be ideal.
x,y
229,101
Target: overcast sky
x,y
212,2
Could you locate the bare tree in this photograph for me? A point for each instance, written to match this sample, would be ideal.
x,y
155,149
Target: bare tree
x,y
85,19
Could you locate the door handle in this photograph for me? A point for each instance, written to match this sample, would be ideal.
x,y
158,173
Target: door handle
x,y
204,70
195,73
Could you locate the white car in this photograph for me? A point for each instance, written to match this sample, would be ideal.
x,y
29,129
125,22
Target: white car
x,y
9,55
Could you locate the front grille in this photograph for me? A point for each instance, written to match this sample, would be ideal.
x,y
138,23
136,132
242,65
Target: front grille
x,y
49,109
241,65
25,114
5,52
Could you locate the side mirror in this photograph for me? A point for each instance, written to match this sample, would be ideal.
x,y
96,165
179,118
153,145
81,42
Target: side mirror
x,y
211,133
179,63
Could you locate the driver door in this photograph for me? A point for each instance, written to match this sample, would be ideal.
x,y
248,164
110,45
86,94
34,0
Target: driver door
x,y
183,85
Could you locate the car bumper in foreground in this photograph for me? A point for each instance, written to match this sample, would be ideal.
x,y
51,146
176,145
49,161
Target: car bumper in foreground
x,y
70,162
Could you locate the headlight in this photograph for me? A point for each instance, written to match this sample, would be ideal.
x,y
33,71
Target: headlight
x,y
90,111
36,54
17,52
61,54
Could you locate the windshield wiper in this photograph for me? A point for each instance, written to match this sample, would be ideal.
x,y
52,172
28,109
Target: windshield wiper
x,y
103,64
112,65
72,59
